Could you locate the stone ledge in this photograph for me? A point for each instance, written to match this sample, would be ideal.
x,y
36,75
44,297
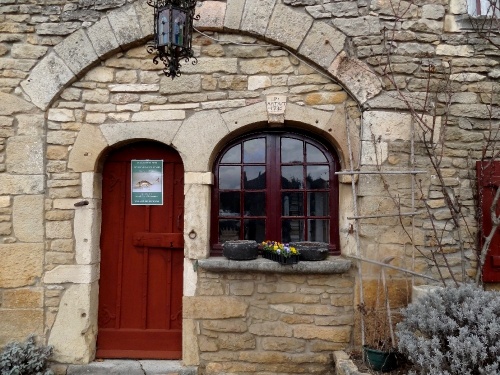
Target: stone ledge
x,y
344,366
332,265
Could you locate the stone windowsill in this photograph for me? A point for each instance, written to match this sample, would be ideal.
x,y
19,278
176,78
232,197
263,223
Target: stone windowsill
x,y
331,265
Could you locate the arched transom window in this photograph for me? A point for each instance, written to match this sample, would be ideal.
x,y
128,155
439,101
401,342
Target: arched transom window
x,y
275,186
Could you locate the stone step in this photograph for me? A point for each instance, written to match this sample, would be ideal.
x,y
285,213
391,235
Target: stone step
x,y
132,367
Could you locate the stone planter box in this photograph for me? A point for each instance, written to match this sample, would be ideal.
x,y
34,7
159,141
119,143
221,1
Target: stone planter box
x,y
240,250
311,251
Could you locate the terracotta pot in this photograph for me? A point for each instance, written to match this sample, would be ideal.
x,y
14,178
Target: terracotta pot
x,y
240,250
311,251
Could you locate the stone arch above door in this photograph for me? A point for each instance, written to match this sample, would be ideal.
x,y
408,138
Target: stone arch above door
x,y
131,24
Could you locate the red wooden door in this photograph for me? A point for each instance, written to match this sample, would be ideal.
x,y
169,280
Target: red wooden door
x,y
140,289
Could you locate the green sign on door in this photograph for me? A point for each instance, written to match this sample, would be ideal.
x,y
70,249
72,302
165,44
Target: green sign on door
x,y
147,182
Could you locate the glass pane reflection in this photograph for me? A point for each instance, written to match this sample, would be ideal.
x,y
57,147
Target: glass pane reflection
x,y
254,177
292,204
255,204
229,230
292,230
314,155
317,204
233,155
292,177
229,203
255,229
318,230
291,150
318,176
229,177
254,151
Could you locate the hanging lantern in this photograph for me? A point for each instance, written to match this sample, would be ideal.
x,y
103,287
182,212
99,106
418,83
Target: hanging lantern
x,y
173,23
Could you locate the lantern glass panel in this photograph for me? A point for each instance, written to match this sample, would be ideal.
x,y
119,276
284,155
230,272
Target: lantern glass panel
x,y
179,27
163,23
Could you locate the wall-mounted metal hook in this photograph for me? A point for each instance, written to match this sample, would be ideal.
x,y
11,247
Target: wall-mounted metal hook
x,y
81,203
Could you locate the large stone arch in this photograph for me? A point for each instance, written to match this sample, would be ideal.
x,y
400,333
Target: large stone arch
x,y
313,40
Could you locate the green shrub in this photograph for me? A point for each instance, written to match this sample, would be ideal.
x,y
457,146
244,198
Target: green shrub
x,y
453,331
25,358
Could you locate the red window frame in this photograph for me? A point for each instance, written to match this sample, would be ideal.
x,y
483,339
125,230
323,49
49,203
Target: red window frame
x,y
273,189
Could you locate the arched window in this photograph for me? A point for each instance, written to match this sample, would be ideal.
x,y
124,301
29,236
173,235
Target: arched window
x,y
277,186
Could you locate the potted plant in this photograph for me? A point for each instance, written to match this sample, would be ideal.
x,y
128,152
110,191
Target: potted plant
x,y
379,351
279,252
240,250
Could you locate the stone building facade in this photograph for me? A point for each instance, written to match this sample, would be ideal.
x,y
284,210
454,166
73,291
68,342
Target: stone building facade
x,y
77,82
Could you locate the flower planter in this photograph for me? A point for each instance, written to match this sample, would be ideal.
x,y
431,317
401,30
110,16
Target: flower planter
x,y
292,259
380,360
240,250
311,251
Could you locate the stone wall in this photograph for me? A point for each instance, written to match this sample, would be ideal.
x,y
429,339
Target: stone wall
x,y
273,323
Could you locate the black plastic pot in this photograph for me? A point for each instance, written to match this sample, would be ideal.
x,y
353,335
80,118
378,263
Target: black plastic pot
x,y
311,251
380,360
240,250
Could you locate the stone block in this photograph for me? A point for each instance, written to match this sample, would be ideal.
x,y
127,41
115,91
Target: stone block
x,y
77,51
223,104
322,44
59,229
210,65
21,264
135,87
249,115
62,245
25,155
47,80
212,15
360,26
213,308
145,17
356,76
16,325
162,131
201,178
91,183
27,51
21,184
226,325
269,65
182,84
335,334
27,218
24,298
87,149
74,330
76,274
159,115
190,352
87,226
453,50
276,329
288,26
234,13
196,219
242,288
256,16
102,37
190,279
125,25
205,129
10,104
283,344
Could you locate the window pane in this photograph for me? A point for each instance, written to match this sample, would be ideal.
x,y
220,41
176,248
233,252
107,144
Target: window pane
x,y
229,230
318,176
254,177
233,155
255,204
317,204
229,177
255,229
292,230
292,204
292,177
314,155
318,230
229,203
254,151
291,150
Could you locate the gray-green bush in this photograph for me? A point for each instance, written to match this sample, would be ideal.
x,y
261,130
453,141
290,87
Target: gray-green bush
x,y
25,358
453,331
